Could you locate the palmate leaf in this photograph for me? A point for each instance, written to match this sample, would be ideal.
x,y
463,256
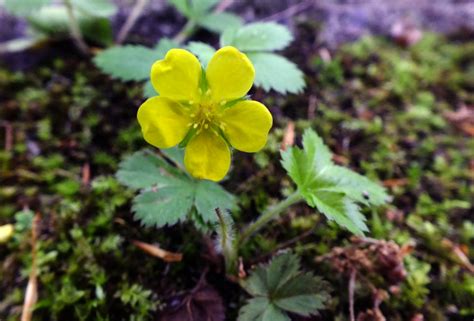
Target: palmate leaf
x,y
132,62
219,22
168,195
259,36
274,71
281,287
333,190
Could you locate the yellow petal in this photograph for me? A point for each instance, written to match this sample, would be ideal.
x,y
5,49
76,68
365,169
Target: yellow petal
x,y
177,76
246,125
207,156
164,122
230,74
6,232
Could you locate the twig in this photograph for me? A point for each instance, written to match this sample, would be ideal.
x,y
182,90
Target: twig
x,y
131,20
351,294
291,11
31,293
75,29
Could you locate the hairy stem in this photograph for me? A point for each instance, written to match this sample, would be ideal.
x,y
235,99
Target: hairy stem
x,y
75,29
269,214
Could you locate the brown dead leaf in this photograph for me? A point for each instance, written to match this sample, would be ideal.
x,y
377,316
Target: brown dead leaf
x,y
289,136
203,303
458,254
156,251
463,118
395,182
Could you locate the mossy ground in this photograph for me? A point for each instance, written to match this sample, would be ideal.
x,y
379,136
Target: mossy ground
x,y
385,111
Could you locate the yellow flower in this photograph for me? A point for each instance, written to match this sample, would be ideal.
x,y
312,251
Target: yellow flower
x,y
6,232
205,110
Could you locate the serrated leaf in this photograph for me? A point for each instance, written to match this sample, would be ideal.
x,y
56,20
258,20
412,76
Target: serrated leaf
x,y
275,72
210,196
24,7
97,8
302,164
141,170
219,22
358,187
169,194
166,206
202,50
130,62
259,36
332,189
281,287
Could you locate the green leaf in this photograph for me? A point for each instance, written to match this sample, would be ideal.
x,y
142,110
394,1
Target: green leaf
x,y
275,72
97,8
339,208
24,7
259,36
164,45
141,170
165,206
98,30
148,90
181,5
202,7
210,196
281,287
219,22
168,194
130,62
202,50
333,190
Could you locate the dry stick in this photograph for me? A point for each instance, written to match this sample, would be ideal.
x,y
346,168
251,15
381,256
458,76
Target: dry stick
x,y
131,20
291,11
351,294
31,294
75,29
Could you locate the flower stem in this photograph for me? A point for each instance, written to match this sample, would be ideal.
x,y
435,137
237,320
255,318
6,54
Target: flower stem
x,y
186,32
269,214
75,29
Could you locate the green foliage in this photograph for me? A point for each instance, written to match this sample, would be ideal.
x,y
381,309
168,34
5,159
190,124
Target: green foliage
x,y
414,290
258,36
53,21
258,40
202,50
273,71
97,8
280,288
130,62
199,12
24,7
168,194
333,190
139,60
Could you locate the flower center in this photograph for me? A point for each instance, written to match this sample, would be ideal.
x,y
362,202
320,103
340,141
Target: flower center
x,y
205,114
